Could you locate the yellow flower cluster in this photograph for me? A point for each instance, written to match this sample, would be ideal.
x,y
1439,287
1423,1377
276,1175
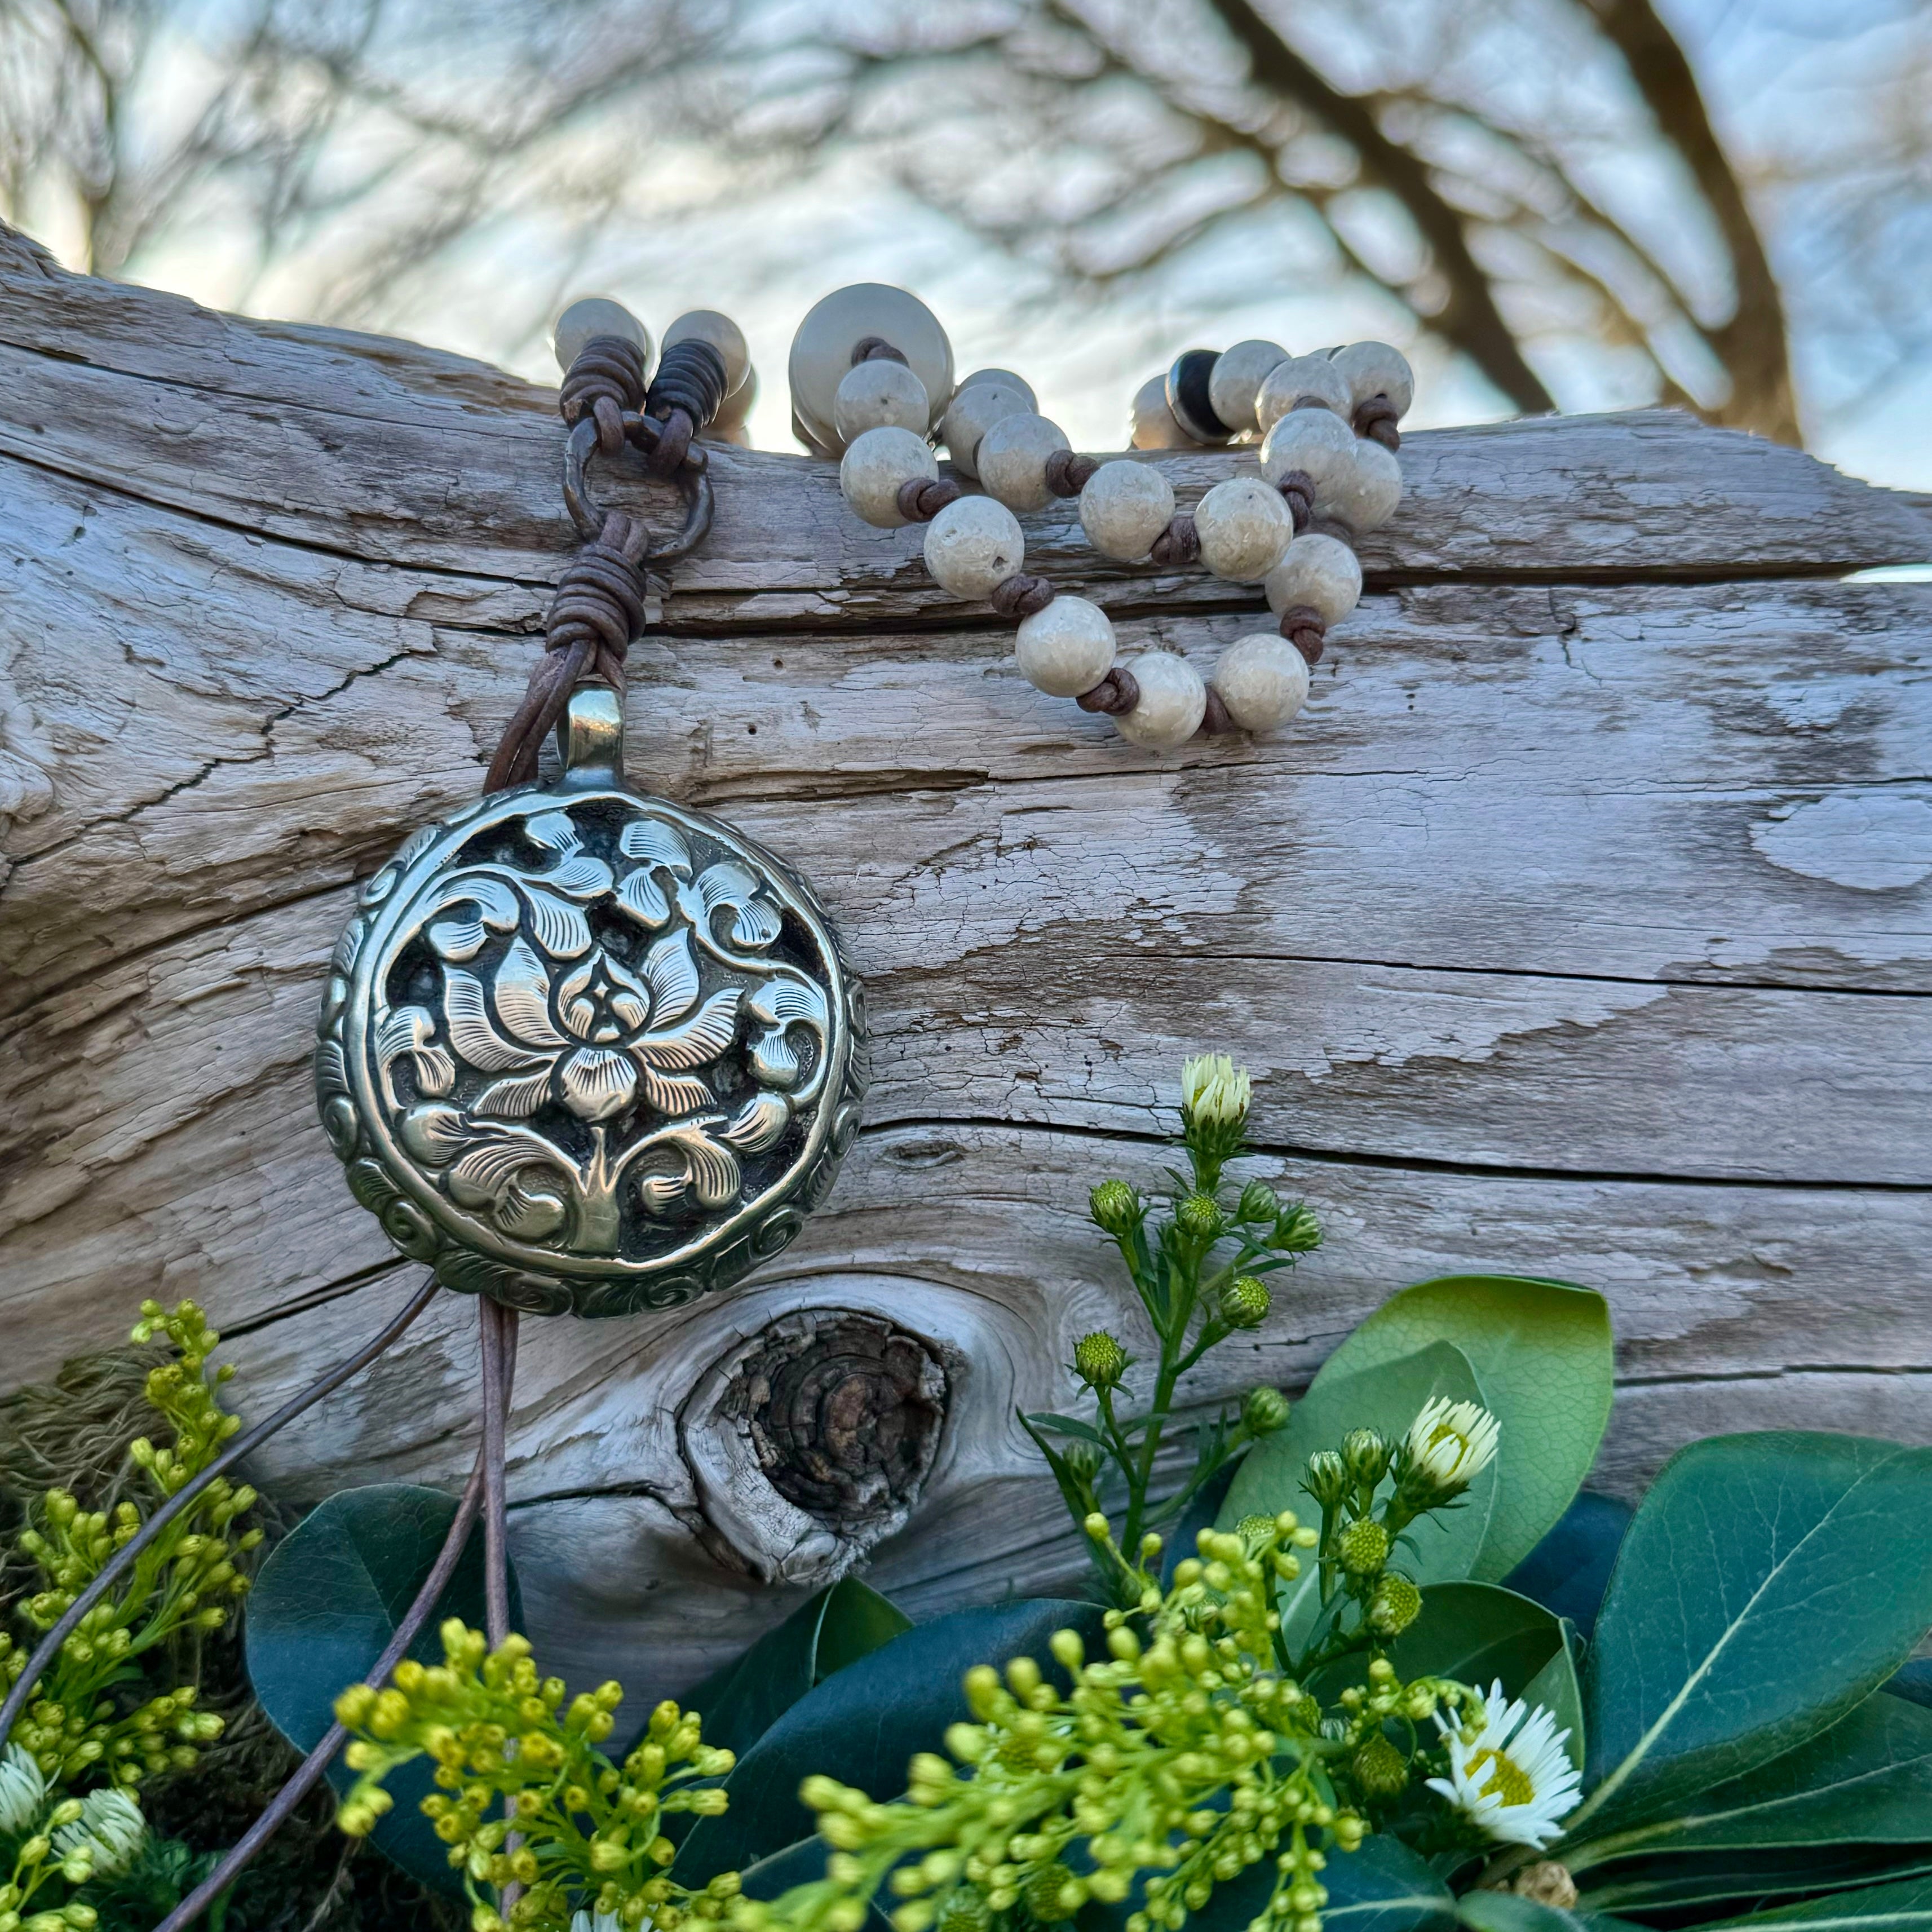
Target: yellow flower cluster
x,y
1183,1758
590,1833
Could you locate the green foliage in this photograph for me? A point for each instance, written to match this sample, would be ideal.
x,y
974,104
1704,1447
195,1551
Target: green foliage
x,y
327,1603
1199,1270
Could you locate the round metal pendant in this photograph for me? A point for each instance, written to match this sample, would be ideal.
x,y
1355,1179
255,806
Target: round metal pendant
x,y
582,1051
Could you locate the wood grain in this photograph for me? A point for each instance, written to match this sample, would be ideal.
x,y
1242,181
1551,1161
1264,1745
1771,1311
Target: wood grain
x,y
1580,927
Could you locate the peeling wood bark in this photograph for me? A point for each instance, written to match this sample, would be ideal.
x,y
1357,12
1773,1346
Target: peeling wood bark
x,y
1580,927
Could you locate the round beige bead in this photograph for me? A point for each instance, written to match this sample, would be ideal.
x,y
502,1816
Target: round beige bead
x,y
707,325
1004,378
875,465
1364,490
821,351
1067,649
1153,426
1262,679
1317,441
973,546
1124,506
879,395
1375,369
1289,382
1244,526
975,408
1012,459
1172,699
1320,572
596,315
1236,378
737,403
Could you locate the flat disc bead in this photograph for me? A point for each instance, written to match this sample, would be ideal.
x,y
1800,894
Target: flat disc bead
x,y
1317,441
875,466
977,404
1244,525
707,325
1289,382
1262,679
973,546
1152,425
1067,649
879,395
1172,703
1011,460
1364,491
821,351
1374,369
1236,379
1123,507
596,315
1321,572
737,403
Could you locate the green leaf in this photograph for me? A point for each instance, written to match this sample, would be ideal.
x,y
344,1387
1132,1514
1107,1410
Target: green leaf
x,y
1678,1881
837,1626
1383,1888
1570,1569
329,1599
1558,1687
1477,1633
1504,1912
1541,1351
1769,1584
1388,1397
1069,1425
1867,1779
801,1863
1876,1908
861,1725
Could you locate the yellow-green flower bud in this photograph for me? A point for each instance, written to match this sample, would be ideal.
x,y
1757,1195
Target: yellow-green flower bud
x,y
1379,1768
1263,1411
1366,1455
1199,1216
1116,1208
1395,1605
1245,1302
1098,1360
1363,1547
964,1909
1296,1231
1327,1479
1258,1203
1053,1894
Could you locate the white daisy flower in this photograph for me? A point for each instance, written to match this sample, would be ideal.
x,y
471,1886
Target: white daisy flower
x,y
1451,1443
22,1791
1508,1772
1214,1091
110,1830
601,1922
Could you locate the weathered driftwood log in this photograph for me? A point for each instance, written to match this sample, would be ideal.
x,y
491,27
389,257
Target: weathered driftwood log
x,y
1579,927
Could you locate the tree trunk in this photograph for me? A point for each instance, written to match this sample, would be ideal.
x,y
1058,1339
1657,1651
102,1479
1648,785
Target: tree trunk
x,y
1579,927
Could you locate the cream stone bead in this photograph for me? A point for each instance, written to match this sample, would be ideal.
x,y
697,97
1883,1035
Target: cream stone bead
x,y
1321,572
1005,379
707,325
1011,460
1375,369
1315,441
1244,526
879,394
976,407
1067,649
973,546
873,467
1124,506
1262,679
1153,423
1171,702
1364,490
1236,380
821,351
1289,382
737,403
592,316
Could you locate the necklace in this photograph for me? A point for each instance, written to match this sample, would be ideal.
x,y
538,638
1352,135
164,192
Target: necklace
x,y
581,1049
1326,425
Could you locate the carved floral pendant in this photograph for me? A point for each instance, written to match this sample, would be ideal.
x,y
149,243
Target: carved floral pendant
x,y
583,1051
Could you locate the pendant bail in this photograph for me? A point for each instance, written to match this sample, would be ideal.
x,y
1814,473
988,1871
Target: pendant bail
x,y
590,738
